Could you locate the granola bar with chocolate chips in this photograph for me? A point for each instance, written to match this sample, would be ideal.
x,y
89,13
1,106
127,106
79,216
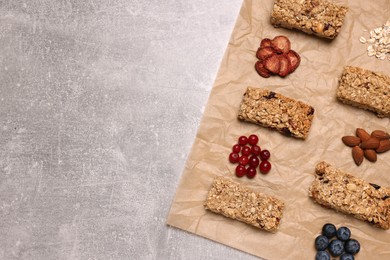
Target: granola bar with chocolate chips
x,y
319,17
365,89
272,110
235,201
343,192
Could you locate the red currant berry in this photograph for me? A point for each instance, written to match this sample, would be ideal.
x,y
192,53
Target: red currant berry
x,y
236,148
254,161
265,167
243,140
240,171
243,160
253,139
265,155
256,150
251,172
233,157
246,150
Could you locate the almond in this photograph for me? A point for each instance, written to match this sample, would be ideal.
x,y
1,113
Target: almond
x,y
384,146
381,135
357,155
362,134
351,140
370,155
370,143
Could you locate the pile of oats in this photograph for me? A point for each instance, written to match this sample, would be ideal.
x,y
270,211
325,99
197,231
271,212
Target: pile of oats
x,y
379,42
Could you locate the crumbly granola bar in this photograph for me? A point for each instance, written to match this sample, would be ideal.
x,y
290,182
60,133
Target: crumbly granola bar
x,y
319,17
339,190
235,201
273,110
365,89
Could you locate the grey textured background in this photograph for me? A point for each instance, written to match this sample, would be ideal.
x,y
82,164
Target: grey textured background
x,y
100,103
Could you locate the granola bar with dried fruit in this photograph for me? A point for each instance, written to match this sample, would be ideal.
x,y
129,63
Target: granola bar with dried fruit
x,y
238,202
345,193
365,89
273,110
319,17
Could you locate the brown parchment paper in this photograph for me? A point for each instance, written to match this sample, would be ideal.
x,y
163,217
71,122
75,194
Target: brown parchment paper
x,y
293,160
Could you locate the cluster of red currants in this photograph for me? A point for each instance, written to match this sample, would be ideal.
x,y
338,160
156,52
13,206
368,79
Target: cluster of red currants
x,y
248,155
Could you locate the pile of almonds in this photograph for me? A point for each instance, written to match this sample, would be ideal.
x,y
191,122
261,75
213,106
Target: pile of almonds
x,y
276,57
367,145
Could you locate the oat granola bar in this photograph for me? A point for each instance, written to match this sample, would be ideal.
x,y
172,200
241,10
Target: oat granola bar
x,y
273,110
319,17
240,203
343,192
365,89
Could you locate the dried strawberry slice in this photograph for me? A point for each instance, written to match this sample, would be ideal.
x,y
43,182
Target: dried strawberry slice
x,y
272,64
281,44
264,53
285,67
265,43
259,66
294,59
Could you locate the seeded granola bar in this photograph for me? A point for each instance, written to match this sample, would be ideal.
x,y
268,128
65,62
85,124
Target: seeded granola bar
x,y
319,17
343,192
235,201
272,110
365,89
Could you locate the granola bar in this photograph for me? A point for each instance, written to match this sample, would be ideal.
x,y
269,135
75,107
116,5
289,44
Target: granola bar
x,y
319,17
272,110
240,203
365,89
343,192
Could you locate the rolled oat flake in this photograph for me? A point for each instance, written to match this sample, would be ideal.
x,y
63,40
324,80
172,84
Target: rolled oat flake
x,y
379,42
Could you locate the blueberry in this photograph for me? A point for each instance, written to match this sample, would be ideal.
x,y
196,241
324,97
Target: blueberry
x,y
347,257
336,247
321,243
322,255
352,246
329,230
343,233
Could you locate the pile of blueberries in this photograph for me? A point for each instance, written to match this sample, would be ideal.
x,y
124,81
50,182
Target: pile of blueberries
x,y
336,242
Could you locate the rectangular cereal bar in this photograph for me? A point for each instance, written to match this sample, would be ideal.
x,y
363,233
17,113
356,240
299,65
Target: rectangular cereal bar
x,y
343,192
365,89
240,203
319,17
272,110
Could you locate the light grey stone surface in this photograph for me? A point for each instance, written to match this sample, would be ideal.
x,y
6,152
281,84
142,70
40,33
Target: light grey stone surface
x,y
100,101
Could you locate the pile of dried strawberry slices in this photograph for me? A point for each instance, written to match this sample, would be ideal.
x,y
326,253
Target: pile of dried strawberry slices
x,y
276,57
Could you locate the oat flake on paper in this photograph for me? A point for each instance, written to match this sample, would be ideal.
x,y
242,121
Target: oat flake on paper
x,y
379,42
